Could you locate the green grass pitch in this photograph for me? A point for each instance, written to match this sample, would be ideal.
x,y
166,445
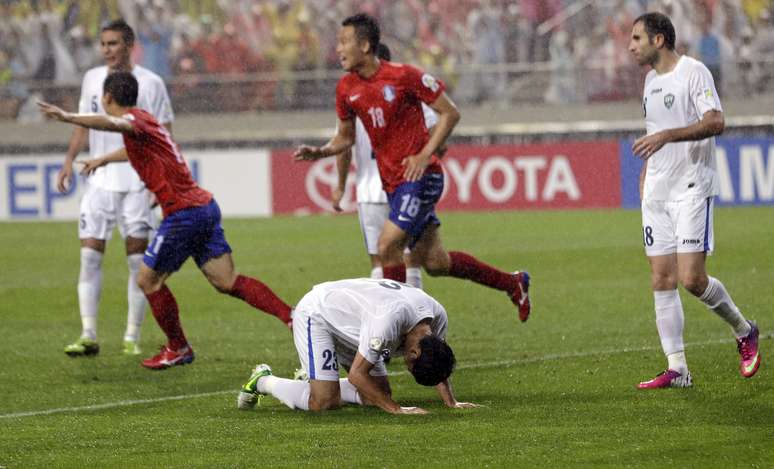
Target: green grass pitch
x,y
557,391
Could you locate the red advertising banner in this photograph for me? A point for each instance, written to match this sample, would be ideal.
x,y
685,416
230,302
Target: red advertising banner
x,y
478,177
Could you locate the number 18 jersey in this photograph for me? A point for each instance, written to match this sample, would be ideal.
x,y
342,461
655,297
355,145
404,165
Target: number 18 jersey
x,y
389,105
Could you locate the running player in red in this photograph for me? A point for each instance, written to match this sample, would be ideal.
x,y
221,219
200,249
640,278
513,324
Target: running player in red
x,y
387,98
191,225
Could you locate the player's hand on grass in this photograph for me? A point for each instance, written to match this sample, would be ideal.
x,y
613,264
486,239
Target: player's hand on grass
x,y
307,153
336,197
464,405
645,147
52,112
411,411
89,166
64,178
415,167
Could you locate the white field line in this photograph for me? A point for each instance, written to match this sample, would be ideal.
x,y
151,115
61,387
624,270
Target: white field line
x,y
493,364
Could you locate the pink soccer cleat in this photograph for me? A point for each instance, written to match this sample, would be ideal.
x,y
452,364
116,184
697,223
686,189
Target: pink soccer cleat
x,y
748,350
168,357
520,295
668,379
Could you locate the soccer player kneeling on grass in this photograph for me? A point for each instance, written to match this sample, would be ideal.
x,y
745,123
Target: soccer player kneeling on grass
x,y
191,226
360,324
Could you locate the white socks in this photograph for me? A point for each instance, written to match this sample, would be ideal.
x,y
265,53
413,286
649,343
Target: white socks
x,y
377,272
136,300
89,290
717,299
670,321
349,392
414,277
295,394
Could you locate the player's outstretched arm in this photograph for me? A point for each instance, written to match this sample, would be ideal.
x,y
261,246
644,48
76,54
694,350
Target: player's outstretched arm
x,y
371,392
447,396
91,121
711,124
343,140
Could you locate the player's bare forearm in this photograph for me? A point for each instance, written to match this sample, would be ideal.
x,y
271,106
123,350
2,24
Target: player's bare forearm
x,y
371,392
711,124
343,161
448,117
447,396
116,156
343,140
77,143
91,121
370,389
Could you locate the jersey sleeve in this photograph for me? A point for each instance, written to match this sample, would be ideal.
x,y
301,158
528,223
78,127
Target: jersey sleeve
x,y
343,109
423,85
161,106
702,90
440,322
376,336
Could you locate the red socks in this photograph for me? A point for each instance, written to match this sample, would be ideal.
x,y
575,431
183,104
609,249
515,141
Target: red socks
x,y
468,267
395,272
258,295
164,308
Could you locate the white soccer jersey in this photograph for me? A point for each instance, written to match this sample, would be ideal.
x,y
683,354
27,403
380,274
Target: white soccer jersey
x,y
368,183
152,97
672,100
373,316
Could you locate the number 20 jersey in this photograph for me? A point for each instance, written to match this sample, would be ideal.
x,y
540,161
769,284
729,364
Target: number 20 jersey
x,y
389,105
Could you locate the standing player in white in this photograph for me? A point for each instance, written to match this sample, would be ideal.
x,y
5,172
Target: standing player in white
x,y
678,185
114,193
372,207
361,324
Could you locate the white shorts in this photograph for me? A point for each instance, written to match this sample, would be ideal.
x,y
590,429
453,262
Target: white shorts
x,y
678,227
372,217
101,210
319,351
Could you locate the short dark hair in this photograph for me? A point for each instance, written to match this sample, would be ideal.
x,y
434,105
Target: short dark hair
x,y
383,52
435,363
120,26
122,86
366,28
658,23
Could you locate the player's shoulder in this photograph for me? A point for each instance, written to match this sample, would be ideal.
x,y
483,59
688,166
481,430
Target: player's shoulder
x,y
688,66
146,76
95,74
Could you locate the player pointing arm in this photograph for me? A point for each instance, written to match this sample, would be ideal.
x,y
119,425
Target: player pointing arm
x,y
192,220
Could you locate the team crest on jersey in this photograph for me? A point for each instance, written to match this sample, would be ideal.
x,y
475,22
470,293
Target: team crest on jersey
x,y
376,344
708,93
430,82
669,100
389,93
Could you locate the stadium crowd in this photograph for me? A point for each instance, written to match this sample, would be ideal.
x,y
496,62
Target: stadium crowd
x,y
277,54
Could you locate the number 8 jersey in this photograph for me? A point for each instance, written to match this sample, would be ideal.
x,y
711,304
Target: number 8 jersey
x,y
389,105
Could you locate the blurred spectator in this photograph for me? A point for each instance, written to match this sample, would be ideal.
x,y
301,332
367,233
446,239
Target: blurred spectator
x,y
708,50
283,51
154,33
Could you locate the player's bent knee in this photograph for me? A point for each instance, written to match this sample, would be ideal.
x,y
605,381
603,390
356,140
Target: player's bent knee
x,y
696,284
319,404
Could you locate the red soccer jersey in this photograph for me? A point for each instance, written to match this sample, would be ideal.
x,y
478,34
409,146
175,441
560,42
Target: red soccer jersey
x,y
388,103
160,165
